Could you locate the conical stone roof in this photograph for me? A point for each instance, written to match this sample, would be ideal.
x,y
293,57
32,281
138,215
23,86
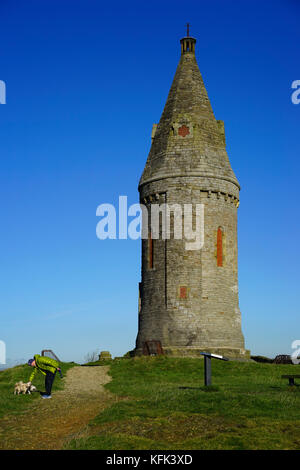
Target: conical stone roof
x,y
188,141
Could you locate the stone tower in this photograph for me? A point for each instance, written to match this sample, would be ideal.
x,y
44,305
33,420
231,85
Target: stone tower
x,y
189,298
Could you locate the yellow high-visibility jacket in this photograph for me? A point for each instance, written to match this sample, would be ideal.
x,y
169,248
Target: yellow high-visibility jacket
x,y
43,364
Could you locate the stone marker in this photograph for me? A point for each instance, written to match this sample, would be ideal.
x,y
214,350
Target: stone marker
x,y
104,355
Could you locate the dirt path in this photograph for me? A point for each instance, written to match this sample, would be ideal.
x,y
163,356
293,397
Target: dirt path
x,y
49,424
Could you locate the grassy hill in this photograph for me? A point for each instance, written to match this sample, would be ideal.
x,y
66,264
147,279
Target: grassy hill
x,y
162,404
8,377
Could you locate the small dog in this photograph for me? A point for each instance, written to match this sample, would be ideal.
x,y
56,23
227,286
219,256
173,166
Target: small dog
x,y
23,388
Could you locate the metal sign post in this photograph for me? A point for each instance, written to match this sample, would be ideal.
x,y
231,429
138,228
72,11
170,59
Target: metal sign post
x,y
207,365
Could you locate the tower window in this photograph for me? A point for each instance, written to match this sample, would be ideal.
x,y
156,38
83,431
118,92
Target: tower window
x,y
220,247
183,130
183,292
150,251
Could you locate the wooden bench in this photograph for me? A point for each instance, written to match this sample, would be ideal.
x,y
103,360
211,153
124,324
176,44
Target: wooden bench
x,y
291,378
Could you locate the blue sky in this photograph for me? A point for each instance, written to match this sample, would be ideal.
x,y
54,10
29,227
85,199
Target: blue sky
x,y
85,82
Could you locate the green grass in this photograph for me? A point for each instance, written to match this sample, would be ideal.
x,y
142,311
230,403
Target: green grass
x,y
248,406
10,403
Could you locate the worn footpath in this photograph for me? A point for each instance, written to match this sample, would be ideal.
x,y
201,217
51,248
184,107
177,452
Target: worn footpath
x,y
50,424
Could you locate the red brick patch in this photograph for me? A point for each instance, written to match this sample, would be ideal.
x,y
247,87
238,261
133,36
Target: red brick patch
x,y
183,292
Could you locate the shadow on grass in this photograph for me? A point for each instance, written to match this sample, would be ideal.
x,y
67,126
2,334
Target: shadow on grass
x,y
208,388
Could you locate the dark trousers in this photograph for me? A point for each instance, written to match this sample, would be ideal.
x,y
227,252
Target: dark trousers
x,y
49,382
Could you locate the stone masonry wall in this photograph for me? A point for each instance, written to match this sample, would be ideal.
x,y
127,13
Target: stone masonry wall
x,y
188,302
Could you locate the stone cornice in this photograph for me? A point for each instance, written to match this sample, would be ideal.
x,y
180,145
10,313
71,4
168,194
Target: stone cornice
x,y
190,174
156,198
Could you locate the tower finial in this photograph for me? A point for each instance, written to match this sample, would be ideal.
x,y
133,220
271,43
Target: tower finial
x,y
187,43
188,30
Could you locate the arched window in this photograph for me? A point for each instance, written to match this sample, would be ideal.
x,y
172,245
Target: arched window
x,y
220,247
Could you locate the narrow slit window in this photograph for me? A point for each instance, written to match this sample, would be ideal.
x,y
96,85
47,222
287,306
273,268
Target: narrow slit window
x,y
220,247
150,251
183,292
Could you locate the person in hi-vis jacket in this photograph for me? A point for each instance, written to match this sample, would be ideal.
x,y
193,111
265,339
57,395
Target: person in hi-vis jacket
x,y
47,367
